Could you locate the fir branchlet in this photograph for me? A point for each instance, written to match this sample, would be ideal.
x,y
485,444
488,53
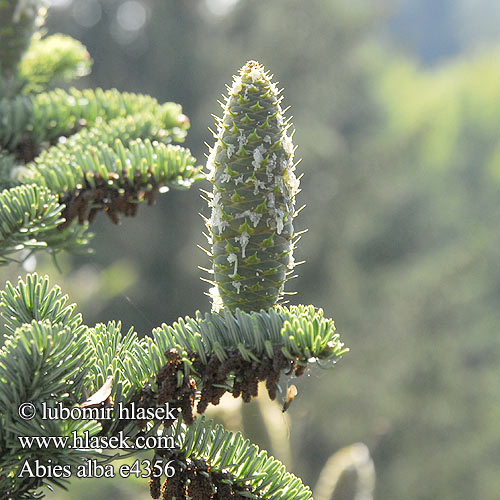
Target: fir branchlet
x,y
254,186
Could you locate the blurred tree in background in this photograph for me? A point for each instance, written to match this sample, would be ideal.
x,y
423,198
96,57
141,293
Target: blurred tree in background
x,y
402,178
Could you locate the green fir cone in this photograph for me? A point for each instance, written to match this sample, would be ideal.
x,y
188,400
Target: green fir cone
x,y
254,186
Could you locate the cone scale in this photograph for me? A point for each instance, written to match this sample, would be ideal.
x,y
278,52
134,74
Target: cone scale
x,y
253,199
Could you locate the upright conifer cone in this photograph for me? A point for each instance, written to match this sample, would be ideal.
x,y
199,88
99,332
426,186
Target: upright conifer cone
x,y
254,187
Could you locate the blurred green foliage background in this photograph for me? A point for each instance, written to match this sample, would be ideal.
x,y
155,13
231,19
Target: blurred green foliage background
x,y
396,107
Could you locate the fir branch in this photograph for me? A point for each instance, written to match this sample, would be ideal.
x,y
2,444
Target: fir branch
x,y
48,362
60,113
212,462
51,59
58,359
26,213
115,179
210,355
64,157
139,126
34,299
302,332
232,352
29,121
118,355
40,363
30,219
